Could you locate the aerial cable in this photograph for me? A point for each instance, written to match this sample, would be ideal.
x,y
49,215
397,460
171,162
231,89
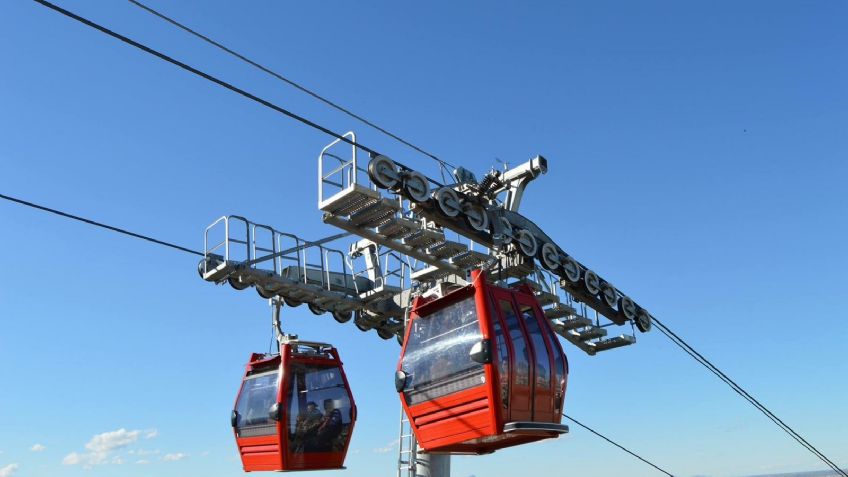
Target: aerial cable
x,y
584,426
99,224
286,80
745,395
213,79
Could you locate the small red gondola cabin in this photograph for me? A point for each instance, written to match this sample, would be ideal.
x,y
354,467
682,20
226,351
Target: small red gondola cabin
x,y
481,369
295,410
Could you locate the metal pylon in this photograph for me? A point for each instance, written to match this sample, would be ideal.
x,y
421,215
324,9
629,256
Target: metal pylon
x,y
407,445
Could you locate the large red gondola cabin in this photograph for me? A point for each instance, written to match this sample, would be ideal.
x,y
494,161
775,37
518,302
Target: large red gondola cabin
x,y
295,410
481,369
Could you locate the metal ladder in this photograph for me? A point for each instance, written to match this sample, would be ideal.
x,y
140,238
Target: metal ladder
x,y
407,445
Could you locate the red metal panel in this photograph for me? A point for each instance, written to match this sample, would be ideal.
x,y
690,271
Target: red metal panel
x,y
453,419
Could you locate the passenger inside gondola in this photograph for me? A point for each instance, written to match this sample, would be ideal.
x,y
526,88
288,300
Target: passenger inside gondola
x,y
330,427
312,429
306,428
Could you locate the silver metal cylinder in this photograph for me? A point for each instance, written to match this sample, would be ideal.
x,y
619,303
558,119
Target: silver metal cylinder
x,y
432,465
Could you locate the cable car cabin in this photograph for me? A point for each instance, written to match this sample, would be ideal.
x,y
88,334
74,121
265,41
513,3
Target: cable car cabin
x,y
481,369
295,410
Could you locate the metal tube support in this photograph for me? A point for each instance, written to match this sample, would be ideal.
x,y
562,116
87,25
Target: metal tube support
x,y
432,465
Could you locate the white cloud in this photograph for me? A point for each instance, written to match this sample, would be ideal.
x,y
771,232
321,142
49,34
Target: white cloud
x,y
174,457
38,448
388,447
72,459
100,448
151,433
9,470
109,441
143,452
142,462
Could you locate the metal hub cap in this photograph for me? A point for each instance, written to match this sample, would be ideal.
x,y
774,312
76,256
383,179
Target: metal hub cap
x,y
416,186
643,321
609,295
570,269
448,201
526,243
549,256
476,217
592,282
383,171
627,308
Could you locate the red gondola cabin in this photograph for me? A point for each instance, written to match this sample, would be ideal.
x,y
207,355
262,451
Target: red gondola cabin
x,y
481,369
295,410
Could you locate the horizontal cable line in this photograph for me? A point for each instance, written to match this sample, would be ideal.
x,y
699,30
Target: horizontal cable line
x,y
216,80
584,426
677,340
288,81
99,224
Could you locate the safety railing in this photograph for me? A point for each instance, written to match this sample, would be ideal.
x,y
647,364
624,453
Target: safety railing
x,y
337,173
231,246
242,245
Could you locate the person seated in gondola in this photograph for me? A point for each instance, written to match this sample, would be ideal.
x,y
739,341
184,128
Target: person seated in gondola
x,y
306,428
330,427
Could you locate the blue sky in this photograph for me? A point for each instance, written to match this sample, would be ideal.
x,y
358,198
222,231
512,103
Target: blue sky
x,y
697,155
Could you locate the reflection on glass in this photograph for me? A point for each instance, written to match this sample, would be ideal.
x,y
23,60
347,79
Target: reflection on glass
x,y
319,409
440,344
258,394
543,372
503,360
522,354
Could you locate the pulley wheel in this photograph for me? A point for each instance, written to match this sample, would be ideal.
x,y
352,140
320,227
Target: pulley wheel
x,y
591,282
526,243
608,294
235,283
292,302
385,334
201,265
264,293
315,309
360,323
507,230
549,256
448,201
627,307
416,186
475,216
342,316
383,172
570,269
643,321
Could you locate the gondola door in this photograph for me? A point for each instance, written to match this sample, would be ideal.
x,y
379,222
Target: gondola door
x,y
520,397
543,396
